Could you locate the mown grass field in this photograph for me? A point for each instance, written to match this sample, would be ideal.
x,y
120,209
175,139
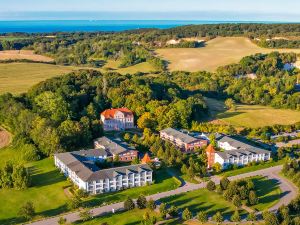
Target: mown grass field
x,y
23,54
133,217
201,200
17,78
268,192
253,116
218,52
46,193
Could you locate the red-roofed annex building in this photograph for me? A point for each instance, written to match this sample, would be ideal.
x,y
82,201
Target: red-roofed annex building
x,y
117,119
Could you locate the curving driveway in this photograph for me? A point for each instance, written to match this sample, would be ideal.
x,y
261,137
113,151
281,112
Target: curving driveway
x,y
288,189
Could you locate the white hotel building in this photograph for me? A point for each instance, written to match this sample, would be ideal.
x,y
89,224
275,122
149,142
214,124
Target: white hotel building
x,y
238,152
80,167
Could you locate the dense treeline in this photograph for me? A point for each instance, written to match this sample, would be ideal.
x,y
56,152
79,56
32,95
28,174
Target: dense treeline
x,y
279,43
14,176
16,44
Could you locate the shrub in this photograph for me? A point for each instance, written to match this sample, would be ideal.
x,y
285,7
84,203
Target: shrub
x,y
237,202
253,199
163,210
211,186
173,211
85,215
129,204
202,217
235,217
151,204
251,217
186,214
141,202
27,210
218,218
224,182
62,221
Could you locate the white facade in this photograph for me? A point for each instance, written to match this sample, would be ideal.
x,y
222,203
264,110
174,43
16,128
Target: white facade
x,y
239,153
241,160
127,178
117,119
120,182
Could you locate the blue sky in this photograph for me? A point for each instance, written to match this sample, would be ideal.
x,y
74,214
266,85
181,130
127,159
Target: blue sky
x,y
275,10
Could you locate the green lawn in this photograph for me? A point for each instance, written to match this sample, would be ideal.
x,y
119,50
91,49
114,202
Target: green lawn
x,y
181,176
248,169
252,116
46,193
201,199
268,192
133,217
163,182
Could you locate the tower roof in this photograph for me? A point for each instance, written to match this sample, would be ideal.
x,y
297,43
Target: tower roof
x,y
146,159
210,149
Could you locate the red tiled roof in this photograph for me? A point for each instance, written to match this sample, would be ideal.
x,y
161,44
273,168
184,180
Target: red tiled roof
x,y
110,113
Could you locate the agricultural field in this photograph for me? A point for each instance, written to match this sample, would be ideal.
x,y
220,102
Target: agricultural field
x,y
23,54
217,52
17,78
250,115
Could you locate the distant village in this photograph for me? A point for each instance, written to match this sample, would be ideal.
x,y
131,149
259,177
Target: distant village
x,y
83,167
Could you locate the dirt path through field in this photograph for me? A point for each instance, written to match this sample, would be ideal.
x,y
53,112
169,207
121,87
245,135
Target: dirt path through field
x,y
4,138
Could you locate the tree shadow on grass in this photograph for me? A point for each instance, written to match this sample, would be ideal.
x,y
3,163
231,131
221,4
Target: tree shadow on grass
x,y
228,114
264,186
47,178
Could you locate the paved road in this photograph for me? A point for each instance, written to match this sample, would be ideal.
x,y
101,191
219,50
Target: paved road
x,y
288,189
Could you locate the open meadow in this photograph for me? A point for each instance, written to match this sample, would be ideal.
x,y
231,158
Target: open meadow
x,y
18,77
23,54
217,52
252,116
